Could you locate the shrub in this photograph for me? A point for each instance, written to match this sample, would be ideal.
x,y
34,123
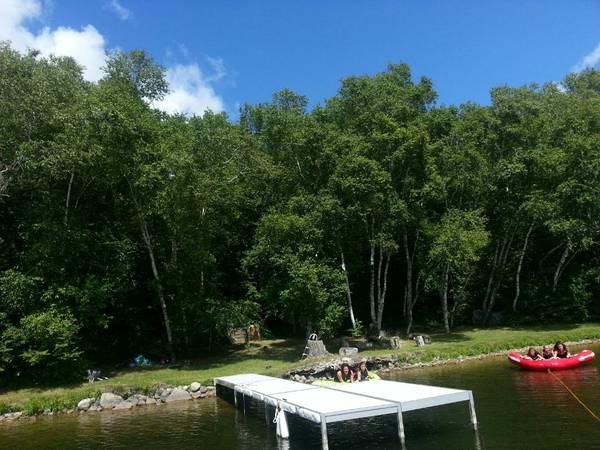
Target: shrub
x,y
43,346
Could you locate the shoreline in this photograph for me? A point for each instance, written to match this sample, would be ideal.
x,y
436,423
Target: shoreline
x,y
276,358
324,369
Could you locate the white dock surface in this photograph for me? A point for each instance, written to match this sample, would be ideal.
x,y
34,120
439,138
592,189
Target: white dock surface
x,y
409,395
344,401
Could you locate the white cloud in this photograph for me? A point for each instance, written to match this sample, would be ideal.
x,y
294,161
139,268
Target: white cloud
x,y
87,45
122,12
190,92
589,60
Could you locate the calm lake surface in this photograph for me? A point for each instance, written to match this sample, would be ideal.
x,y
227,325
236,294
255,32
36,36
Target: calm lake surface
x,y
516,410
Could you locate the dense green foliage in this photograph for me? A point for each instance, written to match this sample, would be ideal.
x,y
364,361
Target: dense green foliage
x,y
126,230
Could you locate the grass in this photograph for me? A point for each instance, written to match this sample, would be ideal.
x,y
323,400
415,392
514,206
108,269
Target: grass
x,y
275,357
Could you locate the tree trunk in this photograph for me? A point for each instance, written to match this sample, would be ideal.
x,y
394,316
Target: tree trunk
x,y
348,291
490,279
558,271
444,298
68,200
409,287
409,318
381,299
159,288
372,287
501,264
519,267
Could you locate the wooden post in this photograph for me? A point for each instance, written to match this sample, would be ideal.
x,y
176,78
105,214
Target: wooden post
x,y
244,402
472,410
235,397
324,441
266,413
401,427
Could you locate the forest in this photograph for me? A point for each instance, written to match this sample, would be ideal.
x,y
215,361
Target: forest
x,y
126,230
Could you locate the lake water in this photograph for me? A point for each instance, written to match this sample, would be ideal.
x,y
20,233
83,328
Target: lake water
x,y
516,410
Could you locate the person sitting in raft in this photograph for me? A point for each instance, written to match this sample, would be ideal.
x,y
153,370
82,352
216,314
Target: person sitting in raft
x,y
345,375
362,373
533,354
547,352
560,350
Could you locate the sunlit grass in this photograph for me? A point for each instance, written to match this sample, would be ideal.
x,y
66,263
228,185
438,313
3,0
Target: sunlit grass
x,y
275,357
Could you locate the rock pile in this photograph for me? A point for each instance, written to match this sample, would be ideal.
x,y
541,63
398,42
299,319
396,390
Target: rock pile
x,y
162,394
111,401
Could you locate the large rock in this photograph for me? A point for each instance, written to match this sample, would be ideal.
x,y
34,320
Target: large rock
x,y
109,400
85,404
125,404
178,395
195,386
348,351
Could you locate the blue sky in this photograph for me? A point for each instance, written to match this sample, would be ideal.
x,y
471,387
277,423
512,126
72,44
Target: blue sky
x,y
223,53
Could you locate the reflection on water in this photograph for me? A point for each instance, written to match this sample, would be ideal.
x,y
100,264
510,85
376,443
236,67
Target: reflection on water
x,y
516,410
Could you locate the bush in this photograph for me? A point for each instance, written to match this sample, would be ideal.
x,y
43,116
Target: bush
x,y
43,346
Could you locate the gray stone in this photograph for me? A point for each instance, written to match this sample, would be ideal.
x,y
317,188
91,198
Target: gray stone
x,y
152,401
125,404
95,408
165,393
195,386
348,351
177,395
109,400
85,403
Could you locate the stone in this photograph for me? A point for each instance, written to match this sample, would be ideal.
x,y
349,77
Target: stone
x,y
186,388
348,351
85,403
125,404
195,386
95,408
109,400
165,393
177,395
151,401
197,394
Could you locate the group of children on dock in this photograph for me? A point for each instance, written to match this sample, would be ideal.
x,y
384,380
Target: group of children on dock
x,y
347,374
559,351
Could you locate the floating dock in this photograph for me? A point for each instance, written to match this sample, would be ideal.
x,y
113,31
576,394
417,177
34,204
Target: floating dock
x,y
344,401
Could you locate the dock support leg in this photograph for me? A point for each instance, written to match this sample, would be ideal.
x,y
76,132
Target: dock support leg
x,y
324,440
401,428
235,401
266,413
472,410
244,402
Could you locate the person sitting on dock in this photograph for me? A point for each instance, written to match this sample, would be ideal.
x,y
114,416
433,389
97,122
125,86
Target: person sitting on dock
x,y
345,374
533,354
560,350
547,352
362,373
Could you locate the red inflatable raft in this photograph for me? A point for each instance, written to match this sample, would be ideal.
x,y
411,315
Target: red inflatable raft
x,y
553,364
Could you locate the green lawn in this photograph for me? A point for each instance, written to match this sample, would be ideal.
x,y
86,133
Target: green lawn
x,y
274,357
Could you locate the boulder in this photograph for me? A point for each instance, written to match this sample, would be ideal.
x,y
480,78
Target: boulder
x,y
165,393
85,404
125,404
195,386
348,351
152,401
198,394
177,395
109,400
95,408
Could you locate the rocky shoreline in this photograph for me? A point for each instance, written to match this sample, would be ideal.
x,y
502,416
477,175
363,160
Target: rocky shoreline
x,y
325,370
159,394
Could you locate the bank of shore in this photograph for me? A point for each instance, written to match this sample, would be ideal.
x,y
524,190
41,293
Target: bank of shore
x,y
280,358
